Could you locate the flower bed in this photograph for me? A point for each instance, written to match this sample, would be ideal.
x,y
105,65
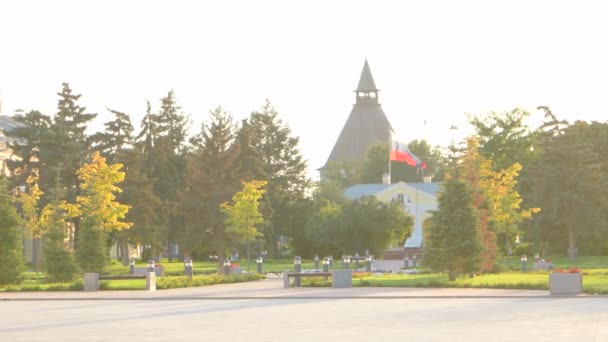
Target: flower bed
x,y
566,282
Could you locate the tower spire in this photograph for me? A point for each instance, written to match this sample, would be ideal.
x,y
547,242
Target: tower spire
x,y
366,90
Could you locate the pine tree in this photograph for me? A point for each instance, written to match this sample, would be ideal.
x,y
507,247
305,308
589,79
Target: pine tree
x,y
118,136
454,242
211,178
11,249
59,263
285,169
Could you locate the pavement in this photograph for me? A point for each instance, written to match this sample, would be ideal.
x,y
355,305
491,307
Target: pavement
x,y
265,311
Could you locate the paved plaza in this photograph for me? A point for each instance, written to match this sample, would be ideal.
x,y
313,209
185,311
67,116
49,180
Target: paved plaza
x,y
264,311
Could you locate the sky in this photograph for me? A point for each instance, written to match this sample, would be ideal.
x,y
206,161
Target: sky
x,y
434,61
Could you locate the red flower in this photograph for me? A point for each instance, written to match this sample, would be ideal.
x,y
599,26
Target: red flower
x,y
571,270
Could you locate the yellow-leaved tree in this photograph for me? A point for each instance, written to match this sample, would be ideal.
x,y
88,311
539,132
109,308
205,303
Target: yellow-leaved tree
x,y
243,216
29,208
99,211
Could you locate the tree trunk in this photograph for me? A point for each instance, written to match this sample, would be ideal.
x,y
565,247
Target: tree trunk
x,y
572,252
170,251
36,253
124,251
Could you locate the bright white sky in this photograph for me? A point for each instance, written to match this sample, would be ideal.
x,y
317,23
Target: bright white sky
x,y
432,60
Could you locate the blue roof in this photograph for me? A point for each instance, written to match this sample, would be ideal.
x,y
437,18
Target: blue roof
x,y
362,190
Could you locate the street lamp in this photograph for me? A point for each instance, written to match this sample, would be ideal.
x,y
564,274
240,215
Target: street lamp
x,y
316,261
132,266
260,261
346,261
368,263
150,265
188,268
226,266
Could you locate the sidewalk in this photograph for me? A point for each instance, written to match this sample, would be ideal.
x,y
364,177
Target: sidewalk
x,y
273,289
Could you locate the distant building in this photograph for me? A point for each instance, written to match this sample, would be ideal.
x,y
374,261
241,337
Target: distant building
x,y
418,199
366,125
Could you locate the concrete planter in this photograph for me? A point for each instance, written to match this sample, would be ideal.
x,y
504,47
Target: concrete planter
x,y
565,283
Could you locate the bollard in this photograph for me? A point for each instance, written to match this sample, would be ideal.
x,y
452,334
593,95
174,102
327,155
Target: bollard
x,y
331,262
297,268
132,266
346,262
316,260
357,260
91,281
368,263
150,267
326,266
188,268
151,281
260,261
226,267
524,263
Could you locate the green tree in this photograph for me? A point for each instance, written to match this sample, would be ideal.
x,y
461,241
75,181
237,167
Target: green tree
x,y
11,249
29,200
99,211
243,216
117,137
454,242
211,178
59,263
285,169
568,186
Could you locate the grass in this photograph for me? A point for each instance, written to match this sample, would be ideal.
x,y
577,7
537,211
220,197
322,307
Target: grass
x,y
582,262
133,284
593,283
176,268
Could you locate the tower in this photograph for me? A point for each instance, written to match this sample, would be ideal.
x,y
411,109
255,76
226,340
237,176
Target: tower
x,y
366,125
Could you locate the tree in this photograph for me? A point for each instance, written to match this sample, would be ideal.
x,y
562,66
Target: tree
x,y
243,216
59,263
11,249
212,177
100,212
118,136
285,169
30,143
568,185
29,207
454,242
504,138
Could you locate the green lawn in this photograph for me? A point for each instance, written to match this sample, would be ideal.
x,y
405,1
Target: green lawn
x,y
582,262
206,267
594,283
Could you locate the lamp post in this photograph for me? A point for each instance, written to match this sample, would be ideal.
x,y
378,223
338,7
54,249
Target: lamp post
x,y
188,268
297,268
326,265
150,267
259,261
316,260
357,260
346,261
368,263
227,266
132,266
331,261
524,263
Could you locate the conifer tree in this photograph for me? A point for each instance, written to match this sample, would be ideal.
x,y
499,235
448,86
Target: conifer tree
x,y
211,179
285,169
454,244
11,248
59,263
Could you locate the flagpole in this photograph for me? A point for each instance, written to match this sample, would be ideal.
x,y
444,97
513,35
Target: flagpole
x,y
390,146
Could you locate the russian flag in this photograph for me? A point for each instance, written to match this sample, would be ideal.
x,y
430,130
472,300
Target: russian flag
x,y
400,153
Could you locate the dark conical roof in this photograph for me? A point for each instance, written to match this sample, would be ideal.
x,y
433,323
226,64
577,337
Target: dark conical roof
x,y
366,82
366,125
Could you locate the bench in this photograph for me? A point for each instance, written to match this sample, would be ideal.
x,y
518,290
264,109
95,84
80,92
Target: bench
x,y
339,278
91,280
